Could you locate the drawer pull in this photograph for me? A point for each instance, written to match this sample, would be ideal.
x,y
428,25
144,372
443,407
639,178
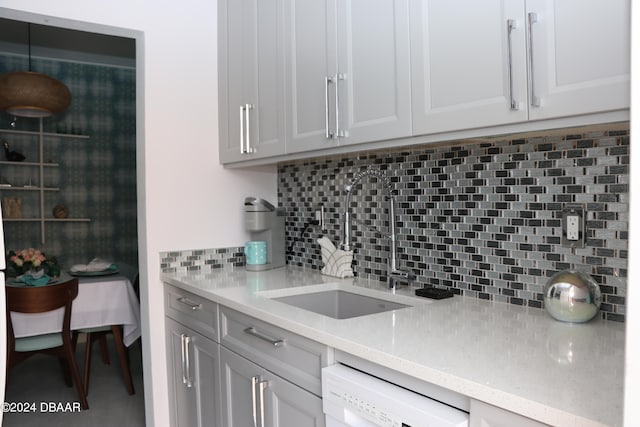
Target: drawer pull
x,y
273,341
192,305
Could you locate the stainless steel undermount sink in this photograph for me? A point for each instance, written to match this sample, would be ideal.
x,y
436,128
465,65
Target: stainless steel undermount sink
x,y
340,304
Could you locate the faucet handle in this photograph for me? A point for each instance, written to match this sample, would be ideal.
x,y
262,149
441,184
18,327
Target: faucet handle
x,y
400,276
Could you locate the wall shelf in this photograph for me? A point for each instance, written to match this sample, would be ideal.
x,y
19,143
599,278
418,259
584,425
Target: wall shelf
x,y
4,162
47,219
44,134
32,188
40,187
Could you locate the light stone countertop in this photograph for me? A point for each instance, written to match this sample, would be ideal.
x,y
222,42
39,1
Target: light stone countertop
x,y
513,357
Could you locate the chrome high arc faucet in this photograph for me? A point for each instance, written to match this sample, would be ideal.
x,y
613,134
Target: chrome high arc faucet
x,y
394,275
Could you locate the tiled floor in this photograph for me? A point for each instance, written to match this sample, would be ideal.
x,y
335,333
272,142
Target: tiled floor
x,y
39,380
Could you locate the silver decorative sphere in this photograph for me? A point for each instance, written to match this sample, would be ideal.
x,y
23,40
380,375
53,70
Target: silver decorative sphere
x,y
572,296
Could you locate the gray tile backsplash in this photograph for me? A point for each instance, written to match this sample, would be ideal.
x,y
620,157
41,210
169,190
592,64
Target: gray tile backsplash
x,y
201,260
480,217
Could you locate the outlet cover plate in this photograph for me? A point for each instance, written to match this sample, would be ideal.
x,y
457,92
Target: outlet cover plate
x,y
576,238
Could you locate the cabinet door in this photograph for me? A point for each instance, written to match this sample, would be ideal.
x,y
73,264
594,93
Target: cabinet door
x,y
286,405
251,79
467,65
374,69
363,48
193,377
239,399
579,55
251,394
311,59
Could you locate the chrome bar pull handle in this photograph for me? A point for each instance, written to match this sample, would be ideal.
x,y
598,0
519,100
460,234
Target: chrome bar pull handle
x,y
263,385
327,80
273,341
337,109
511,25
532,18
254,382
247,123
338,133
187,343
192,305
242,129
182,348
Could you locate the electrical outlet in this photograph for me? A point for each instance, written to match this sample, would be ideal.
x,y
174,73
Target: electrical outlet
x,y
573,226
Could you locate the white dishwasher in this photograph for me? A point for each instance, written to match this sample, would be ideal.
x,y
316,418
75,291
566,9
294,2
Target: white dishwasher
x,y
355,399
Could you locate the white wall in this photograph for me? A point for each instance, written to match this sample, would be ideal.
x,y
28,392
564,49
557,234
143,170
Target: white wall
x,y
187,200
632,365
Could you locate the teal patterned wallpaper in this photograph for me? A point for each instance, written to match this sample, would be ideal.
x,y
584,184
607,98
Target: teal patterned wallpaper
x,y
96,176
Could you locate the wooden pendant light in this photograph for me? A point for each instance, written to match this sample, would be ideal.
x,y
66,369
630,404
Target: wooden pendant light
x,y
31,94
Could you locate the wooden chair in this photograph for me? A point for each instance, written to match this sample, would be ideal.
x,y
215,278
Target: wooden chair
x,y
39,300
100,334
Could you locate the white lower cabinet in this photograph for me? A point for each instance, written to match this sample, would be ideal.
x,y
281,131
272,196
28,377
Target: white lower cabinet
x,y
193,377
484,415
227,369
270,377
253,396
193,359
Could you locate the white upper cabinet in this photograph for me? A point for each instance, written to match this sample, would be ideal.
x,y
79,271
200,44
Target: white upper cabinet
x,y
468,64
348,72
251,79
374,73
579,54
311,58
479,64
306,77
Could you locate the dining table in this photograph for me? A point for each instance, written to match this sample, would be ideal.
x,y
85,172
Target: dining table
x,y
102,301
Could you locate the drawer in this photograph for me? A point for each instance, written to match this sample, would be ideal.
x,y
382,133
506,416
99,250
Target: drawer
x,y
193,311
293,357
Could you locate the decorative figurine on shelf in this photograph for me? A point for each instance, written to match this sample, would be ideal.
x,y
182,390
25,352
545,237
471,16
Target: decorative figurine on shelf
x,y
60,212
12,208
12,156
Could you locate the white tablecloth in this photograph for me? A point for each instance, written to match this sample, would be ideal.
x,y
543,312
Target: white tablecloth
x,y
101,301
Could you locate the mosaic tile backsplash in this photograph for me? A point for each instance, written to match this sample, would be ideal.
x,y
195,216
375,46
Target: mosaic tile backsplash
x,y
96,177
201,260
481,218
